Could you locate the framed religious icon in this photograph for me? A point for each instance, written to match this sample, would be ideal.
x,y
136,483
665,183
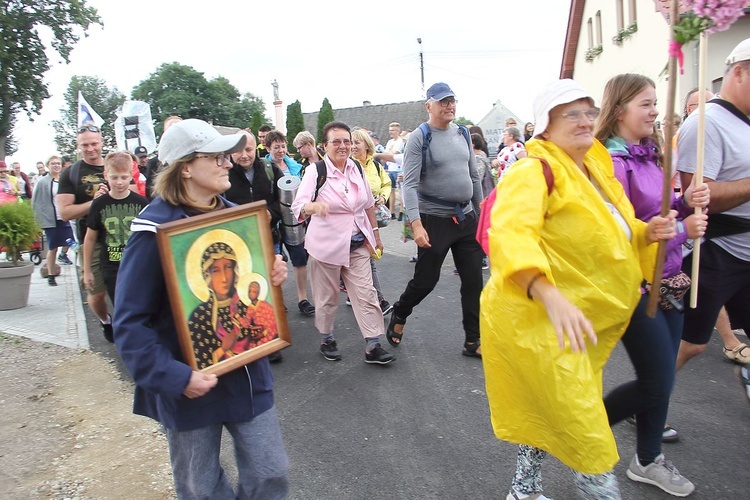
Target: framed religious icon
x,y
218,272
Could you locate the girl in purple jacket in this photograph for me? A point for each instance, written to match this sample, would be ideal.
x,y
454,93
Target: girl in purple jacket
x,y
626,126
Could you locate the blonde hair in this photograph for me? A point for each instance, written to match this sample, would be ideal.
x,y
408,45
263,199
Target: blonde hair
x,y
364,137
303,138
118,160
46,164
170,185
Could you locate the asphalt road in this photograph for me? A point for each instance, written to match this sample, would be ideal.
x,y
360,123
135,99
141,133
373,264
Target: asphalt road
x,y
419,428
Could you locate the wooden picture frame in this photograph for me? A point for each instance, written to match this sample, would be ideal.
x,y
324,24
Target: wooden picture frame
x,y
213,263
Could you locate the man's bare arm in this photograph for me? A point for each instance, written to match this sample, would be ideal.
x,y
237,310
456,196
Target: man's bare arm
x,y
69,210
724,195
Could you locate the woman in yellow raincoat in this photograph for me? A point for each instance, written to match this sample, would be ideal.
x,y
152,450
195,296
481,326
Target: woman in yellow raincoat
x,y
568,257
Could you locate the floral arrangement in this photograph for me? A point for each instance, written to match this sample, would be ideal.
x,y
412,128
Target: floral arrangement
x,y
700,16
710,16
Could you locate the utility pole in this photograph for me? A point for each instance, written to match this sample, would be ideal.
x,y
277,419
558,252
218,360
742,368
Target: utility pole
x,y
421,64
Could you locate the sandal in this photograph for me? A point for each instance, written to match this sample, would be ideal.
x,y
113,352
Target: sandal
x,y
737,354
472,349
394,338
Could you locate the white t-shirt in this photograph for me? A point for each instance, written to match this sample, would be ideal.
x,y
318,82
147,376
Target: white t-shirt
x,y
394,146
726,159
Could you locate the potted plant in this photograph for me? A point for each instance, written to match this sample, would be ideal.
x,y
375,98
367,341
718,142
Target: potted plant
x,y
18,231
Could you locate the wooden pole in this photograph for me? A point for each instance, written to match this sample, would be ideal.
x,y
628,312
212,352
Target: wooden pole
x,y
700,157
666,194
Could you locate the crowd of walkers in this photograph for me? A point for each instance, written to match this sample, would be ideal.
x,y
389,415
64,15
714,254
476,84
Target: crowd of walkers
x,y
574,228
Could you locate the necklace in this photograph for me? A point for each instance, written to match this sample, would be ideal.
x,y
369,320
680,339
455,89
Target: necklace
x,y
346,180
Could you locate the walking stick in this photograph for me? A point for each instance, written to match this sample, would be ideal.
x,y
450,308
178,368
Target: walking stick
x,y
700,157
666,192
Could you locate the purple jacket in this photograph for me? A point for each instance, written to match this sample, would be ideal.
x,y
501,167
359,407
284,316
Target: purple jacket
x,y
638,170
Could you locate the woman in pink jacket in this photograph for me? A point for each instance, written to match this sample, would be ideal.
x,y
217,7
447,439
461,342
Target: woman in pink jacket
x,y
341,236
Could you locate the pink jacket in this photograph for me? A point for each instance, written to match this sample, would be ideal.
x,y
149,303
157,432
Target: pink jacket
x,y
328,237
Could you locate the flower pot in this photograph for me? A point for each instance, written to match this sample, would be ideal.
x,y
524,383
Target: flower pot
x,y
15,283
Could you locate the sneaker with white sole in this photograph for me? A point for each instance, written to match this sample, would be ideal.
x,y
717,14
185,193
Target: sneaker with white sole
x,y
661,473
514,495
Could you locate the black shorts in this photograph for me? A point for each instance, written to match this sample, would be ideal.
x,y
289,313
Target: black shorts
x,y
724,280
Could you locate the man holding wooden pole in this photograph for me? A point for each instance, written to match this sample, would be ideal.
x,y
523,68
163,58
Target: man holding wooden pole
x,y
725,256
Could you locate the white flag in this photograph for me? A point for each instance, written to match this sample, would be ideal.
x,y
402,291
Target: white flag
x,y
86,113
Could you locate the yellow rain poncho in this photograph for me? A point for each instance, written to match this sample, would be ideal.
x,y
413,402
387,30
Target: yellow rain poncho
x,y
540,395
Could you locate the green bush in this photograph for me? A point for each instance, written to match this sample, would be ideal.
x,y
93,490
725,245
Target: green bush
x,y
18,229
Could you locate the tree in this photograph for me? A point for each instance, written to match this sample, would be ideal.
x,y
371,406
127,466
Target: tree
x,y
23,60
325,116
176,89
295,123
463,121
256,122
104,100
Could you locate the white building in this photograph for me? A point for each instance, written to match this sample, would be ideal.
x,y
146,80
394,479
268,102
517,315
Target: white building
x,y
609,37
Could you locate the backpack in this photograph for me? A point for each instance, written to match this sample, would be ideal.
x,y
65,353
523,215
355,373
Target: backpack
x,y
269,168
323,175
483,225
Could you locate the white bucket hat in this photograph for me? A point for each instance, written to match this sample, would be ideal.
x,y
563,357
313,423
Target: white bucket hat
x,y
556,93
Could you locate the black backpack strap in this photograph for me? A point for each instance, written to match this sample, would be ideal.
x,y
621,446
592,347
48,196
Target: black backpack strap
x,y
322,170
426,139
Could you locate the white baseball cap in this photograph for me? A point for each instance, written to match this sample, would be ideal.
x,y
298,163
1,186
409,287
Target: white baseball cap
x,y
556,93
740,53
194,136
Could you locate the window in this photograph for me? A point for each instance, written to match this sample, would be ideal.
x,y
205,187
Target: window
x,y
633,18
598,27
590,26
620,15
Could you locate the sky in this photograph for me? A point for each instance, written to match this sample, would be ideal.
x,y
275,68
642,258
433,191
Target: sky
x,y
345,51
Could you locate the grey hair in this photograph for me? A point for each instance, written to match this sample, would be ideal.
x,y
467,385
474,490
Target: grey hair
x,y
515,133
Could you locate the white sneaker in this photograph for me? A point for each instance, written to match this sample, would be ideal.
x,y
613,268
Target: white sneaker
x,y
661,473
514,495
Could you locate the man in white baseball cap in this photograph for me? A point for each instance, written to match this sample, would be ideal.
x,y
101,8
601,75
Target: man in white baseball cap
x,y
725,257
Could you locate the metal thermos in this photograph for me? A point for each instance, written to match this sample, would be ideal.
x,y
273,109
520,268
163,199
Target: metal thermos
x,y
294,231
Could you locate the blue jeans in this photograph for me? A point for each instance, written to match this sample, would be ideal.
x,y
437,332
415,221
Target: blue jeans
x,y
262,462
651,344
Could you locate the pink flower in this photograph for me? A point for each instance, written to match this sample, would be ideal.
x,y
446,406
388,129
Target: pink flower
x,y
720,13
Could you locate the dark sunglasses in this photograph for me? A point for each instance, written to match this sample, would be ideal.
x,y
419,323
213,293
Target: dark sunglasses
x,y
90,128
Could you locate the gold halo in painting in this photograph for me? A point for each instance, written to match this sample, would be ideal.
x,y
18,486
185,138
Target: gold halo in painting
x,y
244,284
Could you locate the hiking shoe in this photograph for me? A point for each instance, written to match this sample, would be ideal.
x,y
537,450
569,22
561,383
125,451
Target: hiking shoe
x,y
109,333
330,351
514,495
669,435
348,300
743,374
275,357
485,264
63,259
385,307
660,473
379,356
306,308
51,281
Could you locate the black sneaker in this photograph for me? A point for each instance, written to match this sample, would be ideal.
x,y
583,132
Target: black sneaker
x,y
330,351
109,333
386,307
306,308
51,281
379,356
275,357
